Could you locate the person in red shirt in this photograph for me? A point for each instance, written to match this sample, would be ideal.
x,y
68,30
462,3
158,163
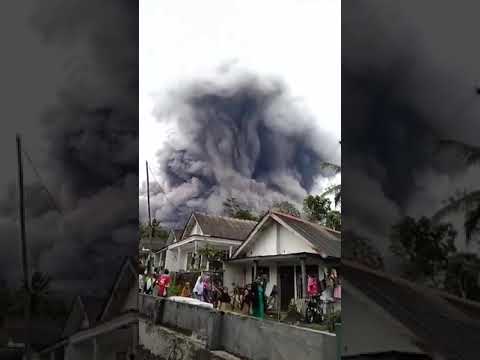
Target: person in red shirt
x,y
163,282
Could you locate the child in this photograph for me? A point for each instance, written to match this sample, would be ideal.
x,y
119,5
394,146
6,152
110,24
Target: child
x,y
186,290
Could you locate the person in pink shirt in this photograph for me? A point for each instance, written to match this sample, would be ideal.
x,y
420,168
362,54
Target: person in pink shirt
x,y
312,286
163,283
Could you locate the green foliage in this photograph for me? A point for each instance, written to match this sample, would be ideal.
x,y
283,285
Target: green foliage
x,y
469,201
157,231
360,250
286,208
334,220
42,301
424,246
233,209
336,190
174,289
316,208
472,222
462,276
212,254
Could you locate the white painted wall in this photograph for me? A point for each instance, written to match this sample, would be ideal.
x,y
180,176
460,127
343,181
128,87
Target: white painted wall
x,y
291,243
233,274
369,328
264,242
171,260
195,230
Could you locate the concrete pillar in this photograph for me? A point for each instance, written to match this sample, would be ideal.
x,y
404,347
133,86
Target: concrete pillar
x,y
295,292
255,266
230,252
179,259
304,278
277,238
196,265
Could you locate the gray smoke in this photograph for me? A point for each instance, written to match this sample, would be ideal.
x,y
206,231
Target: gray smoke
x,y
238,135
86,149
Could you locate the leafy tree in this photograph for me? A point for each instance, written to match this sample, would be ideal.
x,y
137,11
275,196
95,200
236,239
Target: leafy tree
x,y
286,208
334,220
359,249
462,276
336,190
316,208
42,301
157,231
424,246
233,209
211,253
470,201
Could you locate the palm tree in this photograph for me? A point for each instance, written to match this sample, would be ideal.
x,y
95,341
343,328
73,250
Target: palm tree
x,y
469,202
334,189
40,303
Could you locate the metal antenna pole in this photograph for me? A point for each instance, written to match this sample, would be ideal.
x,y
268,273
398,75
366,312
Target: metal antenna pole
x,y
26,275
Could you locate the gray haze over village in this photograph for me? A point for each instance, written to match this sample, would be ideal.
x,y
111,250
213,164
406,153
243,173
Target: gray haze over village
x,y
239,135
80,133
228,116
417,87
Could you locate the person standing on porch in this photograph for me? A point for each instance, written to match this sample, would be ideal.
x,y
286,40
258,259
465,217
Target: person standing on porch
x,y
259,299
186,290
163,283
198,288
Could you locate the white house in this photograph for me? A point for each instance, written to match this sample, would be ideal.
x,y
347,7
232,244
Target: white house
x,y
96,329
201,230
286,249
160,255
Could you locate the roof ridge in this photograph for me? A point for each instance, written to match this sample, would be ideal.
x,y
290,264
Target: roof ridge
x,y
305,221
224,217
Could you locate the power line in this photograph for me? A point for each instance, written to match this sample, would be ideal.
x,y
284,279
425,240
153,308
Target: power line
x,y
37,173
158,183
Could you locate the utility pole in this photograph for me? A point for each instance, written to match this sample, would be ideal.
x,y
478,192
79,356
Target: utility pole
x,y
26,275
148,202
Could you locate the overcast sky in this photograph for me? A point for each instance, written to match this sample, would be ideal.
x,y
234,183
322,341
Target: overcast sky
x,y
296,41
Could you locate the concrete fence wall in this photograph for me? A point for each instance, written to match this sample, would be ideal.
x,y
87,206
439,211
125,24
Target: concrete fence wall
x,y
244,336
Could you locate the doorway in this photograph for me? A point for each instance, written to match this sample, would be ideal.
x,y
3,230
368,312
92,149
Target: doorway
x,y
287,293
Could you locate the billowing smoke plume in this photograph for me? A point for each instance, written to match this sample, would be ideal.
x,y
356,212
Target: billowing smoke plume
x,y
88,152
237,135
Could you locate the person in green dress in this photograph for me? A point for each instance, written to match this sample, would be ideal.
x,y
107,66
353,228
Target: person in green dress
x,y
259,300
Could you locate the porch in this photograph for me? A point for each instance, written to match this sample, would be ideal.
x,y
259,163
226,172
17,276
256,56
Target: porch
x,y
287,272
187,255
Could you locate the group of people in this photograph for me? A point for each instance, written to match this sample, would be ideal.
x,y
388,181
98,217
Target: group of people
x,y
154,283
251,300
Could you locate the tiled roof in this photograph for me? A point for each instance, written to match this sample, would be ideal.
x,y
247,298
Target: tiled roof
x,y
326,240
433,318
224,227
